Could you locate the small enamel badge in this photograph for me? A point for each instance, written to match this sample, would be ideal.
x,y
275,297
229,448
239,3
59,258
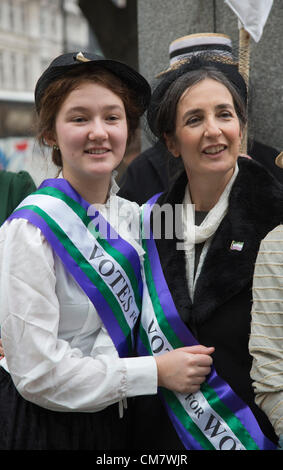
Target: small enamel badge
x,y
238,246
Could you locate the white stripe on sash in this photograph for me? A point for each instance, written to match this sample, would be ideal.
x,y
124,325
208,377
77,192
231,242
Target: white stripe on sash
x,y
88,246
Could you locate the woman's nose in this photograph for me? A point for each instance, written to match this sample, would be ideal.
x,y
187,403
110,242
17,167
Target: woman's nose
x,y
97,130
212,129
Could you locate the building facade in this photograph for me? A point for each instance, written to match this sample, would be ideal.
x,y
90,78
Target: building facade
x,y
32,33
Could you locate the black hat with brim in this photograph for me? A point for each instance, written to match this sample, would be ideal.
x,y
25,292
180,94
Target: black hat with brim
x,y
70,61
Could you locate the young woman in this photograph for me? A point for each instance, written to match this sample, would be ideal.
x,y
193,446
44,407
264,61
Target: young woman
x,y
198,110
71,282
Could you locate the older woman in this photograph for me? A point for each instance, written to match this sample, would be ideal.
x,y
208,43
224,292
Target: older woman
x,y
199,111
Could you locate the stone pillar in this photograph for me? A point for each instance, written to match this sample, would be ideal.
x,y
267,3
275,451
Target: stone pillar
x,y
162,21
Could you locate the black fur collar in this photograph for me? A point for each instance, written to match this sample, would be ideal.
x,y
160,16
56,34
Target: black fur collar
x,y
255,208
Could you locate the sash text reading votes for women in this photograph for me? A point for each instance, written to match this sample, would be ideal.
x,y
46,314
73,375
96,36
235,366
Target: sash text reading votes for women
x,y
107,267
214,418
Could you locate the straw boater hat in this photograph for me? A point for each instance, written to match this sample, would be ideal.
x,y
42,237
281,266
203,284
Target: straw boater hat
x,y
184,48
189,53
214,48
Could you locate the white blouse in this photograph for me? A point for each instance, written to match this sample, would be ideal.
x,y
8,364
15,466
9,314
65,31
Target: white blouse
x,y
57,350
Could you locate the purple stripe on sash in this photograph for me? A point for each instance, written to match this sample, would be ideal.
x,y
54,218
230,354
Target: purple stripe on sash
x,y
87,286
164,294
116,242
221,388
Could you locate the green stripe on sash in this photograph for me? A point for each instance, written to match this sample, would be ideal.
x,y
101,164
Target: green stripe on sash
x,y
81,213
88,270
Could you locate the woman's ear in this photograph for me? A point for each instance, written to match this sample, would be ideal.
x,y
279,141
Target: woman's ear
x,y
50,140
172,145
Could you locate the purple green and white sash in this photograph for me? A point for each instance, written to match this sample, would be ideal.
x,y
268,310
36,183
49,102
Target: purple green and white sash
x,y
214,418
106,267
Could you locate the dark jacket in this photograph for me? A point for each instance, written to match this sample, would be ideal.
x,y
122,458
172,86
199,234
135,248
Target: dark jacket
x,y
220,313
146,175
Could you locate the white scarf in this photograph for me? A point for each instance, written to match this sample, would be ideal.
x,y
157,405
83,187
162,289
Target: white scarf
x,y
194,234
